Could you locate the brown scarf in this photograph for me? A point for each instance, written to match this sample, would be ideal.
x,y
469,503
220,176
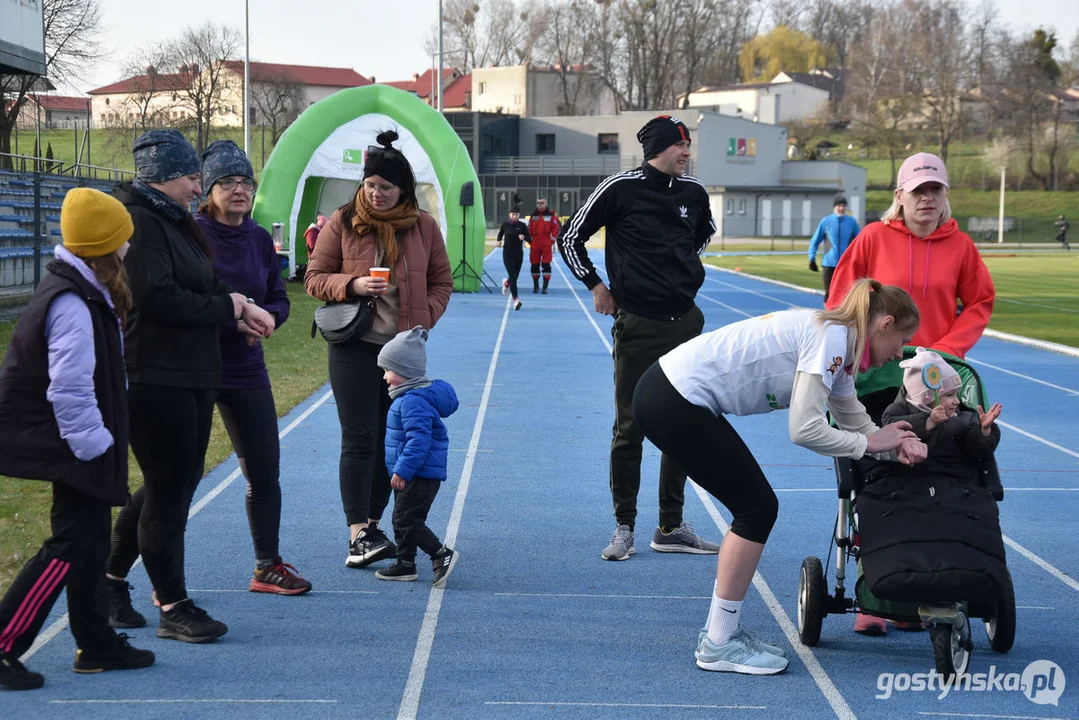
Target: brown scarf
x,y
384,224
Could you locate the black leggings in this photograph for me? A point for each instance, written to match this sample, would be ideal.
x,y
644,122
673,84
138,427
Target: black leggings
x,y
709,450
251,421
170,429
363,401
513,259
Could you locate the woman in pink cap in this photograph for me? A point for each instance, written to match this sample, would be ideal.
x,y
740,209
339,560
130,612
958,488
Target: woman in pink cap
x,y
918,246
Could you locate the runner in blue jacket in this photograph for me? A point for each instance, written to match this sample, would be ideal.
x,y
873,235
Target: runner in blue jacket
x,y
840,229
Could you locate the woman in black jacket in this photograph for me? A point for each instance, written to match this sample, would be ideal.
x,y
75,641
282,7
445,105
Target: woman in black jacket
x,y
173,358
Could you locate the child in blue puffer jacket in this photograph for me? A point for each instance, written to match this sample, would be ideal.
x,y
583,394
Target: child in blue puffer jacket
x,y
417,451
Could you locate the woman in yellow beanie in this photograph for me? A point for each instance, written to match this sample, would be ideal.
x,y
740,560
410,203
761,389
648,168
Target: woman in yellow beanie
x,y
63,419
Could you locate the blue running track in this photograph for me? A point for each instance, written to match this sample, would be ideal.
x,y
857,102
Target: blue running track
x,y
533,624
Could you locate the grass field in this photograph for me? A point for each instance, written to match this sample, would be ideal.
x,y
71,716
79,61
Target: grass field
x,y
297,366
1036,293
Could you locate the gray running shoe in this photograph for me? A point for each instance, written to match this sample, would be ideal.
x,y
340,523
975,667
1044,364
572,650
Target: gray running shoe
x,y
621,546
682,539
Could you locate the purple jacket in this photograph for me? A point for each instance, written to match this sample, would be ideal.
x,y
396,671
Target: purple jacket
x,y
70,338
244,258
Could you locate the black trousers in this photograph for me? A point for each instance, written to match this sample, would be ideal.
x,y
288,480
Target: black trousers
x,y
410,509
710,450
170,429
363,401
513,259
826,276
250,419
73,557
639,342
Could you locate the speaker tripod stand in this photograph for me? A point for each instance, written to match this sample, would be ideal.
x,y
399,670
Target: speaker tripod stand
x,y
464,267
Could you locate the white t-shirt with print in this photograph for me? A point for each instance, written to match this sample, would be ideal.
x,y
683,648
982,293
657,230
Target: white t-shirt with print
x,y
748,367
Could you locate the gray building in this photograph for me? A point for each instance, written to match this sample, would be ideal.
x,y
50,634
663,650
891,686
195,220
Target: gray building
x,y
754,190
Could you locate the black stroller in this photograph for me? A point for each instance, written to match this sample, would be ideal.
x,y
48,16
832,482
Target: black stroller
x,y
936,578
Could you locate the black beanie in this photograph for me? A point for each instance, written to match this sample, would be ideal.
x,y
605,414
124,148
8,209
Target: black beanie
x,y
660,133
387,162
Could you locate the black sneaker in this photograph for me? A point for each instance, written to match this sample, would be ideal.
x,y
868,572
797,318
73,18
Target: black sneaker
x,y
543,291
405,572
370,546
442,562
121,613
15,676
120,657
190,623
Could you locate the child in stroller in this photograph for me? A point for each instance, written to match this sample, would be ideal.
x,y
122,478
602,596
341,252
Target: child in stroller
x,y
927,538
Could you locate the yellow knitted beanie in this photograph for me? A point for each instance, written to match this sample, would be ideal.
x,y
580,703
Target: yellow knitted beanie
x,y
94,224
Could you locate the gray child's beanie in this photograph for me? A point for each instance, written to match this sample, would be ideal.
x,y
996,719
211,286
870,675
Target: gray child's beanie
x,y
406,353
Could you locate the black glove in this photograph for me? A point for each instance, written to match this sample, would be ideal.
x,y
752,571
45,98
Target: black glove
x,y
813,266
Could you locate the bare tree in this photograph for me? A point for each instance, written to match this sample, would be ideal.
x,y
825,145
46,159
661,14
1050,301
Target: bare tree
x,y
200,54
278,99
880,94
484,33
939,65
151,87
72,28
1033,103
566,46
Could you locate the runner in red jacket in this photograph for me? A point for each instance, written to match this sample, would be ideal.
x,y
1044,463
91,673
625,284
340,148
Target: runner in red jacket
x,y
544,227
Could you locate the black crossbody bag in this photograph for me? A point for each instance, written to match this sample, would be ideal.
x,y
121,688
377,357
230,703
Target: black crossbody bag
x,y
341,321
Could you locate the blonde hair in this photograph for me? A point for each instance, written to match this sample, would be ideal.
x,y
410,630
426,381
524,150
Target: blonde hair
x,y
896,210
110,272
866,300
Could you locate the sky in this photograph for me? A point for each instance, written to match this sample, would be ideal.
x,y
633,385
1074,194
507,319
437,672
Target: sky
x,y
384,38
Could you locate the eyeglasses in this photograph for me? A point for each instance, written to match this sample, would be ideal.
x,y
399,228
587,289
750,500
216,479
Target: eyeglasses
x,y
229,184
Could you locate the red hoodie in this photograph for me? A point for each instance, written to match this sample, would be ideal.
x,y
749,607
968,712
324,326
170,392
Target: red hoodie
x,y
935,271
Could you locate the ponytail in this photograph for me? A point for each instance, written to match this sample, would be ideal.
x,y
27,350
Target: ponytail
x,y
866,300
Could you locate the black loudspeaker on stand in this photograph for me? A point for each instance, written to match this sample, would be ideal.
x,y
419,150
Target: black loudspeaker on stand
x,y
464,268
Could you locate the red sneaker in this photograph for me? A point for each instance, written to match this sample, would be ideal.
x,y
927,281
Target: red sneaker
x,y
870,625
280,579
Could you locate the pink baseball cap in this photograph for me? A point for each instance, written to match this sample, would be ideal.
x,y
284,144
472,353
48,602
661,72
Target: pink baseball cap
x,y
922,168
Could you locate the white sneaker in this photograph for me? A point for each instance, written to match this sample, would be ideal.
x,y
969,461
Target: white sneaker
x,y
505,285
740,655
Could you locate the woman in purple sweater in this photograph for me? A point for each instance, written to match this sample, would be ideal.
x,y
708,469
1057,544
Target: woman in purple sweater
x,y
244,258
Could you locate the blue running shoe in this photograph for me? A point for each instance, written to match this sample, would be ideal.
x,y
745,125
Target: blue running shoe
x,y
738,655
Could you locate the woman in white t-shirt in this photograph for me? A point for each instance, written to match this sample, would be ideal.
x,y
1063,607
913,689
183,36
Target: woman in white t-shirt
x,y
803,360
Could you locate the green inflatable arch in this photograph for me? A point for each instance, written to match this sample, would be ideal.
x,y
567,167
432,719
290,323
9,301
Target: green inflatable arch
x,y
318,164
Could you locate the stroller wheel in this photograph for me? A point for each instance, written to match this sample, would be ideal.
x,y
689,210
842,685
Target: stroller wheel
x,y
812,601
1000,628
951,651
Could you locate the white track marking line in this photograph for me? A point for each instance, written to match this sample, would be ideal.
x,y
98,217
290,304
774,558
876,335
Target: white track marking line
x,y
410,700
61,622
1021,375
627,705
1058,574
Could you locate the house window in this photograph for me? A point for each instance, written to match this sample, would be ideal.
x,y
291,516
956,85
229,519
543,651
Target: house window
x,y
730,206
545,143
742,206
608,142
483,88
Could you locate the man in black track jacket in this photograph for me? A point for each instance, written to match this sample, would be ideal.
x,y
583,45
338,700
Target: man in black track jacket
x,y
657,222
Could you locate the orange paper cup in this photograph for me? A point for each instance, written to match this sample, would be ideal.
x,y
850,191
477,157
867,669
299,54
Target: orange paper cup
x,y
381,272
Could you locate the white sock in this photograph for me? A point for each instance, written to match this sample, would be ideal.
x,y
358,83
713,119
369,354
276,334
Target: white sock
x,y
723,619
711,607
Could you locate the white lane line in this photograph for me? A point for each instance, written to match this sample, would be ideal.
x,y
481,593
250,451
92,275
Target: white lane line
x,y
61,622
604,596
770,281
1021,375
410,700
827,687
317,592
183,701
743,313
751,292
626,705
1058,574
588,314
1040,439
